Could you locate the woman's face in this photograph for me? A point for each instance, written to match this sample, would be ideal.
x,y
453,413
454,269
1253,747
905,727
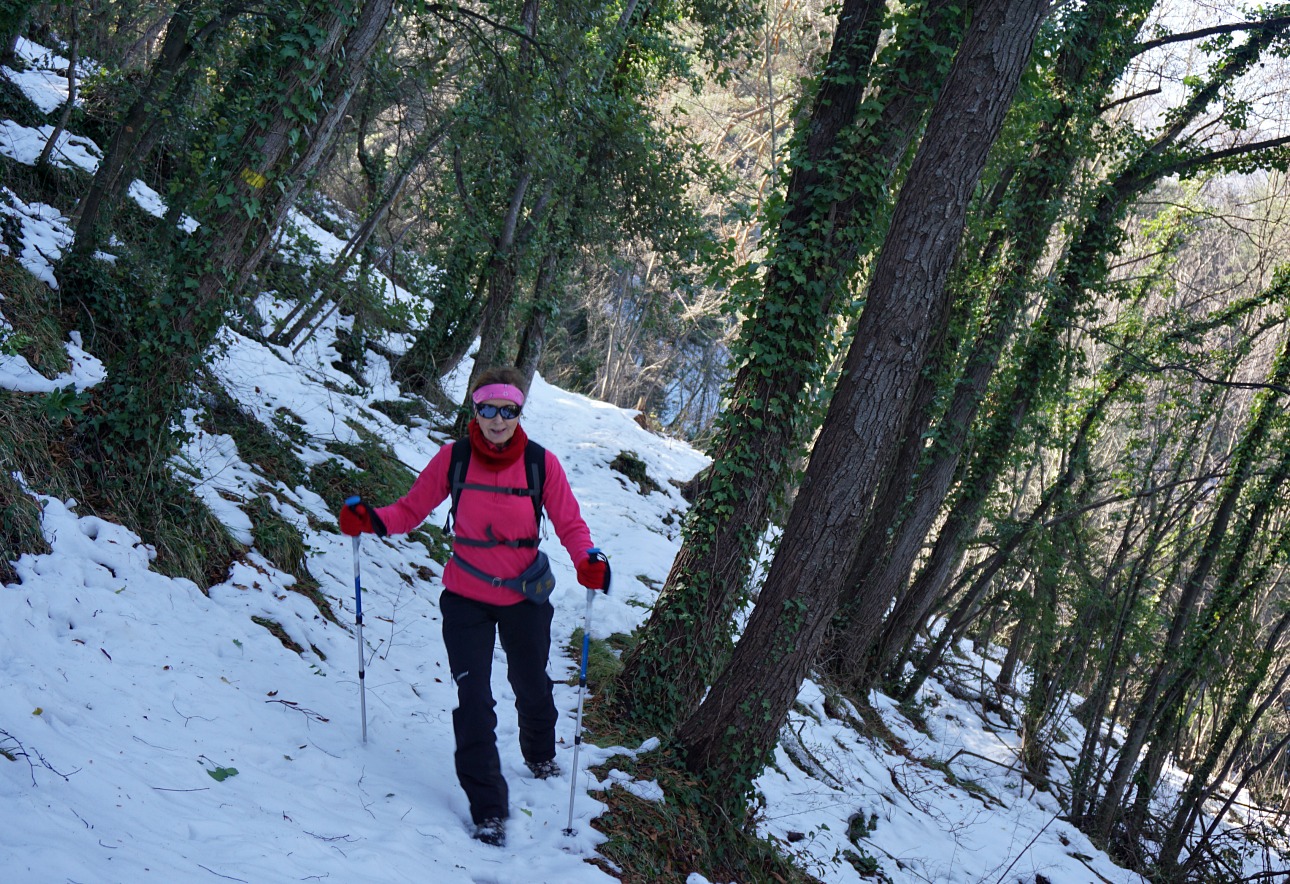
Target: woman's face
x,y
497,429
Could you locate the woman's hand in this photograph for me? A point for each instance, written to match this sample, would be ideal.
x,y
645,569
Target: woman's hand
x,y
358,518
593,571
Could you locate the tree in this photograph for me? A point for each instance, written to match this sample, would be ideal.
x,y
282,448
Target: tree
x,y
281,112
155,109
1084,272
554,152
1057,117
842,161
730,736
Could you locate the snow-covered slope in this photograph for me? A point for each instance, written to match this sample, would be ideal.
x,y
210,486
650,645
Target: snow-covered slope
x,y
157,733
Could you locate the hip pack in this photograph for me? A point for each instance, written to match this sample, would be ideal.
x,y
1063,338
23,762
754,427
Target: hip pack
x,y
535,584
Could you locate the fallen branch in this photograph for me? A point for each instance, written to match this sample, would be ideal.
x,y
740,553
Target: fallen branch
x,y
13,749
307,713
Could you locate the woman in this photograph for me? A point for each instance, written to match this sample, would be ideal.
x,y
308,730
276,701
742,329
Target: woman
x,y
495,541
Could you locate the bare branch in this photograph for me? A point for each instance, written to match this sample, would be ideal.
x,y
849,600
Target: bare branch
x,y
1234,27
1128,98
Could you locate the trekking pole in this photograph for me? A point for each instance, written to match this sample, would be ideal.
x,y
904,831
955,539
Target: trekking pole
x,y
358,620
596,555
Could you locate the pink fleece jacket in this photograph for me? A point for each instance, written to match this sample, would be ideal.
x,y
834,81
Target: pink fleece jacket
x,y
509,516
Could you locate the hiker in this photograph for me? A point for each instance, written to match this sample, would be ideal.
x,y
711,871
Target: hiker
x,y
497,582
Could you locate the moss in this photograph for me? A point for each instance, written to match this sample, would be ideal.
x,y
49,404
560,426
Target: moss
x,y
603,657
864,864
437,543
275,628
256,444
402,411
630,465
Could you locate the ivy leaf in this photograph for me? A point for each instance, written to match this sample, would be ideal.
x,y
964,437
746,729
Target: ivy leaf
x,y
220,774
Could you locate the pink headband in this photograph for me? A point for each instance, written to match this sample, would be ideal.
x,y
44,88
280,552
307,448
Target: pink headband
x,y
498,391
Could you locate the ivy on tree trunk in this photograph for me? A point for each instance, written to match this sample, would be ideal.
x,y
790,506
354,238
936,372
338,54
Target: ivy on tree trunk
x,y
729,738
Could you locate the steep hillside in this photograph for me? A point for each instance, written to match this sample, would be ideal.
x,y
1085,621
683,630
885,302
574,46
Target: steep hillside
x,y
156,731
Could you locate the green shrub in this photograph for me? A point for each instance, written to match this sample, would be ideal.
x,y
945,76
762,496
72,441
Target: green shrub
x,y
380,478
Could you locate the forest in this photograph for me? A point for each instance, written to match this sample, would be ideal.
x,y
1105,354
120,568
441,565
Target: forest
x,y
979,309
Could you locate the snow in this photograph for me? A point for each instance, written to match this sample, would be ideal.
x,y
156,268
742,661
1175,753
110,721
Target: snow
x,y
43,231
44,79
158,733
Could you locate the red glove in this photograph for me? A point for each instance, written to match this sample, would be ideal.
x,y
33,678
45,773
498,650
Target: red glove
x,y
358,518
593,571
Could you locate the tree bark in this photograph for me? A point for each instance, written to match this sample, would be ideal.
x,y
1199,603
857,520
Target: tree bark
x,y
232,237
1085,265
65,114
533,341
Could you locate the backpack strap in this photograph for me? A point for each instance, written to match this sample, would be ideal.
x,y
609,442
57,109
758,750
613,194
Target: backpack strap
x,y
458,464
534,471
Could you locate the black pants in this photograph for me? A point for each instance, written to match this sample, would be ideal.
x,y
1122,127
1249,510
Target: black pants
x,y
469,631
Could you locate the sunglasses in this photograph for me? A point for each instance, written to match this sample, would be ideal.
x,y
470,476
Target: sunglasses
x,y
488,412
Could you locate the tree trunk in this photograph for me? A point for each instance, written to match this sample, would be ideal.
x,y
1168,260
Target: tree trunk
x,y
250,189
235,238
1175,669
307,311
1085,265
66,114
533,341
1202,785
1095,49
452,325
832,215
141,124
1232,591
730,737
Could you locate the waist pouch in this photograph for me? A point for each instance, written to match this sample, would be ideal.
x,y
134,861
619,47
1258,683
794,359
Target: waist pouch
x,y
535,584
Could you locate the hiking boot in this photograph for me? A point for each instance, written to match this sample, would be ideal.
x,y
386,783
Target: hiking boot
x,y
492,831
543,770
